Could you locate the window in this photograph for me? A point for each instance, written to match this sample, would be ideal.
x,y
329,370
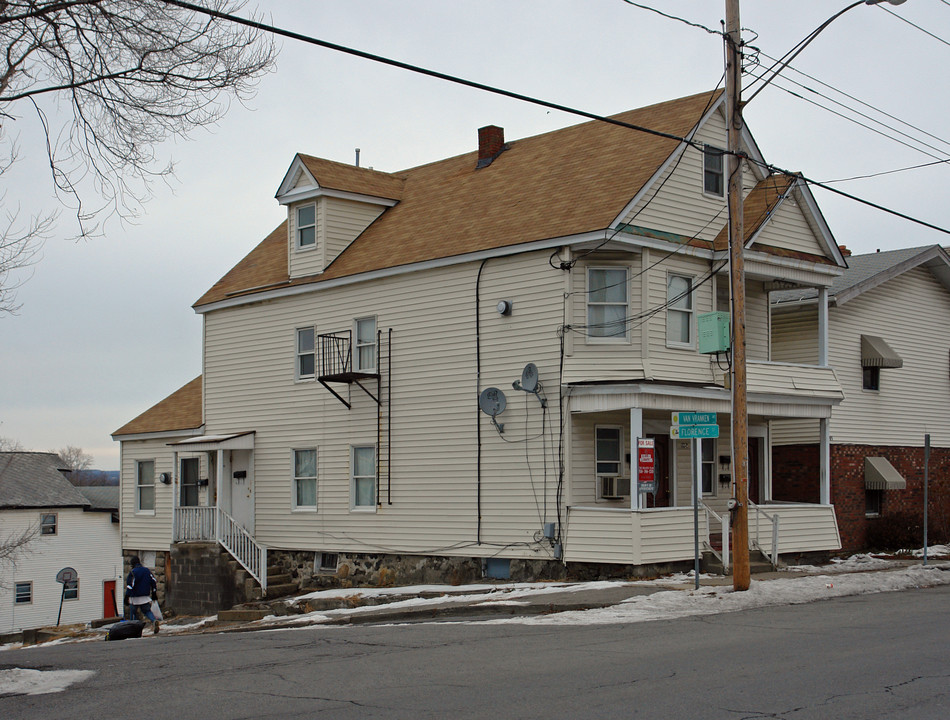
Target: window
x,y
713,175
71,590
306,226
607,302
708,450
47,523
679,310
608,450
306,358
366,344
305,479
871,378
189,482
364,476
23,593
326,562
872,502
145,486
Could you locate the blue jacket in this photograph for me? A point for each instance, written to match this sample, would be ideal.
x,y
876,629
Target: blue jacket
x,y
140,582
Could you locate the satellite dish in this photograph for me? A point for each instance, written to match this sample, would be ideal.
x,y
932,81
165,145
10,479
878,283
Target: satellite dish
x,y
492,401
529,378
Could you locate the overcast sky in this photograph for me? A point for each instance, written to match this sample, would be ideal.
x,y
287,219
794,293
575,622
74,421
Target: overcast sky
x,y
106,327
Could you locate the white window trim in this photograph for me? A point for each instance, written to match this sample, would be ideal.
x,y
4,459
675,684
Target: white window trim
x,y
722,172
297,354
55,524
138,498
357,345
691,312
714,463
297,228
65,590
621,463
353,478
22,582
613,339
294,478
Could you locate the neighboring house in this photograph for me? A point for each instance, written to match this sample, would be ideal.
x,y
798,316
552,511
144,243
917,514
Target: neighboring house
x,y
337,421
889,343
71,531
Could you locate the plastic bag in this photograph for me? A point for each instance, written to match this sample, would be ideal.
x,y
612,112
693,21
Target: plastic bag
x,y
156,610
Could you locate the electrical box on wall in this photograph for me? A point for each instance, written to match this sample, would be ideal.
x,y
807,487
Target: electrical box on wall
x,y
713,331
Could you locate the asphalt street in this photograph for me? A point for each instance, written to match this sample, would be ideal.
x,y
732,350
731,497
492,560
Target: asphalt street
x,y
866,656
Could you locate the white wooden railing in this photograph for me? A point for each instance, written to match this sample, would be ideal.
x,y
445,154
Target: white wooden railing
x,y
210,524
724,524
756,516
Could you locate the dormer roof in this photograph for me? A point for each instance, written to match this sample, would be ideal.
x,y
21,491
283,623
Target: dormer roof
x,y
310,177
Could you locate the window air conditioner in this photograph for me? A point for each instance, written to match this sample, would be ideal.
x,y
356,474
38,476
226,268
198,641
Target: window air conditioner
x,y
614,488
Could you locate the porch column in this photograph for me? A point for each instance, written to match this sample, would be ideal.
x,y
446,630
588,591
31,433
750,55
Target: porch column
x,y
636,431
824,461
175,496
823,327
218,481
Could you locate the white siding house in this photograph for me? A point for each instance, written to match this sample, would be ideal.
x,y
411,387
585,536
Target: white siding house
x,y
339,408
67,532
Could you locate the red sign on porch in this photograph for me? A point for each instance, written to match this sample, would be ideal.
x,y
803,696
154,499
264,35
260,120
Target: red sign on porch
x,y
646,465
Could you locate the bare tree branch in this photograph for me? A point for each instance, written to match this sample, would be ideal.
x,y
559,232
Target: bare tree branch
x,y
13,547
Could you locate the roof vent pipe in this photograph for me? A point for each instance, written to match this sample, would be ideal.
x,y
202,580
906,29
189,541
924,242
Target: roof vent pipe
x,y
357,157
491,143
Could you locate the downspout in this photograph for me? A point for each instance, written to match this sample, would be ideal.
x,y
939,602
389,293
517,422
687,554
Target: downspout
x,y
478,389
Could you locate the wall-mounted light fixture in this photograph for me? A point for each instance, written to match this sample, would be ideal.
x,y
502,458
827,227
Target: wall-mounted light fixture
x,y
165,478
504,307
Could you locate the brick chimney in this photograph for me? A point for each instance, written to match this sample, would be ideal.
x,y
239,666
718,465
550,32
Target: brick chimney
x,y
491,142
844,250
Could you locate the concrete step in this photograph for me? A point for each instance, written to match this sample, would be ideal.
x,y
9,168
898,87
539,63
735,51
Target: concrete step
x,y
281,589
279,579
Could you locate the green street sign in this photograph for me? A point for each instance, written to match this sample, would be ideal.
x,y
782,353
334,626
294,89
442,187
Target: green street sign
x,y
694,418
687,432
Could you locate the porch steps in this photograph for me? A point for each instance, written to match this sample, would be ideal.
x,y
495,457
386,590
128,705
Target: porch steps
x,y
758,563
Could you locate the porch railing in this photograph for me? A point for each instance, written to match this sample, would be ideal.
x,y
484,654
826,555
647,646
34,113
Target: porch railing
x,y
724,524
210,524
758,519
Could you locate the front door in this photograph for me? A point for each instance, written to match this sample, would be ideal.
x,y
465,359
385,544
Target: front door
x,y
661,471
755,447
109,609
242,489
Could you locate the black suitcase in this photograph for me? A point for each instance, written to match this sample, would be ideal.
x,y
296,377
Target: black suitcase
x,y
126,629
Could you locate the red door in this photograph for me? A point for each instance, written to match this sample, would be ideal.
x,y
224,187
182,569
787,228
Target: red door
x,y
108,600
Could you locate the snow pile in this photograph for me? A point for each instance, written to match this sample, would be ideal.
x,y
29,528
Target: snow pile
x,y
20,681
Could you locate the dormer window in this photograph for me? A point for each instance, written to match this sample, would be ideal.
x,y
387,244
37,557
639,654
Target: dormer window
x,y
306,226
714,180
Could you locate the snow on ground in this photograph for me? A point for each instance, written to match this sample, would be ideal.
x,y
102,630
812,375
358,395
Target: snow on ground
x,y
20,681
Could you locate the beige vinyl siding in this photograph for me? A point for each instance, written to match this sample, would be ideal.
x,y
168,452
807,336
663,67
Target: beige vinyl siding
x,y
788,229
630,537
680,206
802,528
85,541
311,260
795,335
583,471
344,221
144,530
910,312
249,385
757,321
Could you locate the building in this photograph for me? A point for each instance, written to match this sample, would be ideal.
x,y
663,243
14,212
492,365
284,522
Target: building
x,y
67,532
889,345
442,372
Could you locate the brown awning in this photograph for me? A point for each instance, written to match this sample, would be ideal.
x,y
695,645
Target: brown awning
x,y
877,353
879,474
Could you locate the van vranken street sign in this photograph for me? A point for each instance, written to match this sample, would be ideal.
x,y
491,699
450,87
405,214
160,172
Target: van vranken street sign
x,y
692,425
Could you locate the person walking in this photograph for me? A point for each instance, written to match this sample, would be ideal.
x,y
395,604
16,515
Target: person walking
x,y
140,590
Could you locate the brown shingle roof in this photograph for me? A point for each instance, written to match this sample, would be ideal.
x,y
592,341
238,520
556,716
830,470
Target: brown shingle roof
x,y
562,183
756,207
339,176
179,411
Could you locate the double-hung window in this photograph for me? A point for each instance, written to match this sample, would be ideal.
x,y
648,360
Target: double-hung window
x,y
608,460
71,590
306,226
714,177
365,344
23,593
364,476
607,302
305,479
306,355
679,311
708,451
47,523
189,482
145,486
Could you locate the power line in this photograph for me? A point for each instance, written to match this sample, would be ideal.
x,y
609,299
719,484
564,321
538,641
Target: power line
x,y
675,17
888,172
923,30
507,93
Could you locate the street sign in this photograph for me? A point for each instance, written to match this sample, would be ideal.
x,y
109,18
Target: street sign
x,y
687,432
646,464
694,418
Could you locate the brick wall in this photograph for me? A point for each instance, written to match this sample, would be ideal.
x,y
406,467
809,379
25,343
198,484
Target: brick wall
x,y
795,478
200,582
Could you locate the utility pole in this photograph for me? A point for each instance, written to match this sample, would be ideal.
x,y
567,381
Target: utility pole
x,y
740,423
